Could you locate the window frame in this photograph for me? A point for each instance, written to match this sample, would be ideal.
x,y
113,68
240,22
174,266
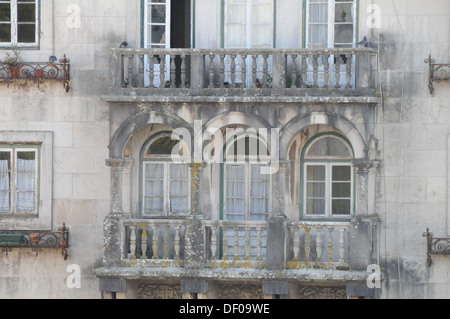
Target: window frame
x,y
331,22
166,161
248,162
14,43
42,220
329,162
13,182
248,25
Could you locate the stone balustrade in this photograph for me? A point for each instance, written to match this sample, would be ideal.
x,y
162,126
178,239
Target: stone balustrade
x,y
265,72
157,242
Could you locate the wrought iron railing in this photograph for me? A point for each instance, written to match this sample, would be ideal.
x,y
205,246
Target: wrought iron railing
x,y
37,72
36,240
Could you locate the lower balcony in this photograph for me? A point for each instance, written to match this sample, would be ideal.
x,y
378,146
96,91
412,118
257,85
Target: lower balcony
x,y
277,243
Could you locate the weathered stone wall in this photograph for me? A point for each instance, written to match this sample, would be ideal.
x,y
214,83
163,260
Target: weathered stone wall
x,y
413,129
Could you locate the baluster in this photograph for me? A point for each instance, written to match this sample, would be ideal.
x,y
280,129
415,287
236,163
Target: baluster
x,y
304,70
155,241
341,244
166,240
349,70
172,71
296,242
130,70
233,69
133,242
222,71
327,70
213,242
265,70
177,242
225,242
141,71
259,245
319,243
330,244
337,74
236,242
254,68
211,70
151,72
162,71
316,70
294,71
144,242
243,70
247,242
183,71
307,243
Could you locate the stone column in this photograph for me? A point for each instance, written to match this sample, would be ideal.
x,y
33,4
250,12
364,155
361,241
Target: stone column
x,y
279,179
194,255
365,179
113,228
117,167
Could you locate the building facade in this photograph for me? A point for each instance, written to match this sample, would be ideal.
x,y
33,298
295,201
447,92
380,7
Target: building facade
x,y
224,149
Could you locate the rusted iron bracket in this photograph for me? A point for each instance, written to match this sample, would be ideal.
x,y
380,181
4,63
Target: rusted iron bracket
x,y
437,72
436,246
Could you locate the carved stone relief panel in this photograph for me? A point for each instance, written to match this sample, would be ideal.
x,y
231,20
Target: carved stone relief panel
x,y
320,292
156,291
239,291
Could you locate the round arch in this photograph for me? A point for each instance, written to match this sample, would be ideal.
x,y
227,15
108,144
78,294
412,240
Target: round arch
x,y
344,126
136,122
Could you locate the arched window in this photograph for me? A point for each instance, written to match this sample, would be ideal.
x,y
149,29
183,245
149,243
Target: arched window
x,y
327,178
165,183
246,186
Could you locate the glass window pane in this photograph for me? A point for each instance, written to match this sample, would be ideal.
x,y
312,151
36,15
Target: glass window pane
x,y
26,181
162,146
5,178
318,12
153,204
329,147
341,173
341,206
341,190
26,12
154,171
157,14
26,33
158,34
344,12
315,173
315,206
343,33
5,12
5,32
315,190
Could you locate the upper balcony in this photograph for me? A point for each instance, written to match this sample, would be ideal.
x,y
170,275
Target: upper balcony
x,y
239,75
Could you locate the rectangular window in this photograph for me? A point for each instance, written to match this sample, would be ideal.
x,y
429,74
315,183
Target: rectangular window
x,y
328,190
18,181
247,192
19,25
330,23
166,189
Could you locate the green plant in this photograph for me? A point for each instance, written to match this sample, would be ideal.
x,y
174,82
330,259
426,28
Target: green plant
x,y
14,57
